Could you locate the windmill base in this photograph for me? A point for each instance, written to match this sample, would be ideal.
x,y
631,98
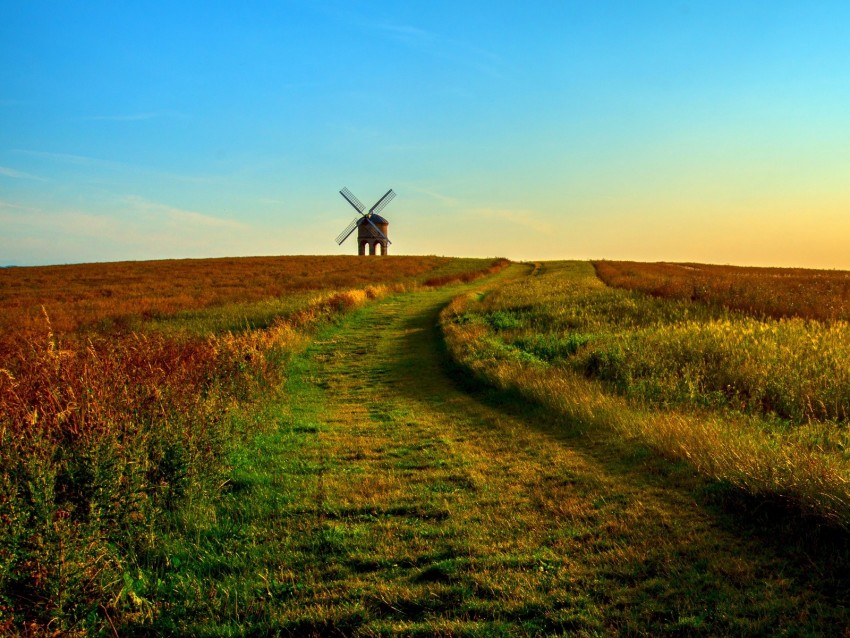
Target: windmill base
x,y
372,247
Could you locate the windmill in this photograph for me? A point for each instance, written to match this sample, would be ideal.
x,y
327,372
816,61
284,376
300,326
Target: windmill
x,y
371,227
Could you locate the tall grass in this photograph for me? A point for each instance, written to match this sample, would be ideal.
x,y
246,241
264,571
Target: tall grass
x,y
741,400
793,369
761,292
107,435
99,443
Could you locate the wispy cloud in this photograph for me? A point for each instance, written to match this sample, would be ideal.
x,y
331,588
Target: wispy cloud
x,y
428,42
407,148
448,200
134,228
404,33
13,207
5,171
524,218
68,222
69,158
179,216
93,163
132,215
436,45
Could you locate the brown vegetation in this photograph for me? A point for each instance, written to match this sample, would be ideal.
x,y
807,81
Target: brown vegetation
x,y
761,292
82,295
466,277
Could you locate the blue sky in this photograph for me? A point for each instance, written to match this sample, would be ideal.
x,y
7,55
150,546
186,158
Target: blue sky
x,y
699,131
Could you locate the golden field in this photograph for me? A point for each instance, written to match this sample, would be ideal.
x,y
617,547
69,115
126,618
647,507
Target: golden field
x,y
93,295
761,292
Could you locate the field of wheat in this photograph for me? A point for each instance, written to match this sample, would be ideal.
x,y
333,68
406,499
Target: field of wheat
x,y
760,403
122,389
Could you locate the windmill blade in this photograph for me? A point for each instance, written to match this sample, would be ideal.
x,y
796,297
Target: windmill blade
x,y
381,204
378,230
348,230
351,199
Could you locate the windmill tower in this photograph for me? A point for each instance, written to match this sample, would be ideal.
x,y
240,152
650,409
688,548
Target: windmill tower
x,y
371,227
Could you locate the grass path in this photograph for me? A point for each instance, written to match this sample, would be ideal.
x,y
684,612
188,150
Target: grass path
x,y
391,500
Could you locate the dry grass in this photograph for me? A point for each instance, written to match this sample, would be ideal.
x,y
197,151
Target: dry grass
x,y
59,378
763,292
117,294
500,338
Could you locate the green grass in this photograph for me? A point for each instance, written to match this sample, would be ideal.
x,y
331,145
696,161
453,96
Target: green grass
x,y
673,353
253,315
389,497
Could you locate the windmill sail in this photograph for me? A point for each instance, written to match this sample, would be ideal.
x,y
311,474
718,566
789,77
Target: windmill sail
x,y
348,230
381,204
351,199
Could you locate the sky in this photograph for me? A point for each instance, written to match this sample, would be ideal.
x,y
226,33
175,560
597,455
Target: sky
x,y
711,131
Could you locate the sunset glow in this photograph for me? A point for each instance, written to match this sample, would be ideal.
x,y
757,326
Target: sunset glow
x,y
698,131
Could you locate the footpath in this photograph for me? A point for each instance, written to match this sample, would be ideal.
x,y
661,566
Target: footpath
x,y
395,500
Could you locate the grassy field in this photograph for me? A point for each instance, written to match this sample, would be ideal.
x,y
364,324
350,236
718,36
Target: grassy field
x,y
392,498
334,462
761,404
124,296
120,417
760,292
